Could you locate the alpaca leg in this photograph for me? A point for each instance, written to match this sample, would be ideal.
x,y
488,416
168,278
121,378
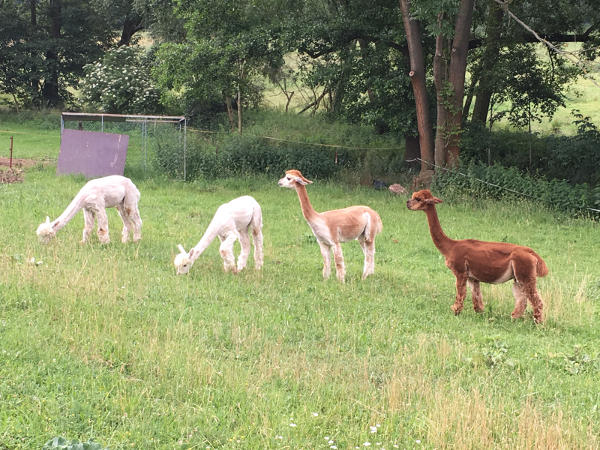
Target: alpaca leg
x,y
245,244
326,253
340,267
226,251
131,210
520,300
461,293
535,300
88,225
258,247
126,223
368,249
476,295
102,218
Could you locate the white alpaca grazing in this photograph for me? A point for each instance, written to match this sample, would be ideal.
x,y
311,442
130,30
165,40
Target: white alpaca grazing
x,y
231,222
94,197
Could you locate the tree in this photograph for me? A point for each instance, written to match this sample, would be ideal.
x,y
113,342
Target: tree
x,y
55,39
228,45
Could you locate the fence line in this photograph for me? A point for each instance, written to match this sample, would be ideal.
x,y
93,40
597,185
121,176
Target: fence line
x,y
489,183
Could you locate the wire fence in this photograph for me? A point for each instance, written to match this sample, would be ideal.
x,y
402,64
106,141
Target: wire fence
x,y
503,188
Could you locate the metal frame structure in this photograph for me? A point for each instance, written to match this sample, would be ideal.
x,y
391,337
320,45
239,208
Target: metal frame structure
x,y
143,119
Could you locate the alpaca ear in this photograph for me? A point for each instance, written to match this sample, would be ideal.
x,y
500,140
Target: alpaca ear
x,y
181,249
433,200
302,180
55,225
47,220
191,252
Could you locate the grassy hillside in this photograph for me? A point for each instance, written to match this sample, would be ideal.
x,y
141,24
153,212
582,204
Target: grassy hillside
x,y
107,343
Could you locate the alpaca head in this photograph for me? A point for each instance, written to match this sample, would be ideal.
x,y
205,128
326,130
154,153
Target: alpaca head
x,y
183,262
291,178
45,231
422,200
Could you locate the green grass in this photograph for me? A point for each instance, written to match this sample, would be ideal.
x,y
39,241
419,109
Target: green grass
x,y
107,343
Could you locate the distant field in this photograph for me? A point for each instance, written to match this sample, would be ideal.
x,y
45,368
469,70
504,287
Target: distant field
x,y
107,343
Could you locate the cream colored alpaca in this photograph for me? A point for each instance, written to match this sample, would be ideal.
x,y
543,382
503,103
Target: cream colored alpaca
x,y
474,261
94,197
336,226
230,223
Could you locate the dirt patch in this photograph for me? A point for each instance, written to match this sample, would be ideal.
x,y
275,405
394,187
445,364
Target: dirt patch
x,y
16,173
19,163
11,175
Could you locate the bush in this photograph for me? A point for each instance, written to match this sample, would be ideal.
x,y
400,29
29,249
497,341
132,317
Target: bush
x,y
233,154
572,158
481,181
120,83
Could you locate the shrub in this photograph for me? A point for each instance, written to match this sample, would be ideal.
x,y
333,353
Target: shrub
x,y
479,180
233,154
572,158
120,83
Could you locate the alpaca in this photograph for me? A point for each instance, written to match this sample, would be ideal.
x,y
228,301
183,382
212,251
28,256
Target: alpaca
x,y
94,197
339,225
230,223
474,261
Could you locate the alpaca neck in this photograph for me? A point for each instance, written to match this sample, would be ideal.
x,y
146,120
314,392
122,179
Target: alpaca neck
x,y
307,210
68,213
441,241
209,235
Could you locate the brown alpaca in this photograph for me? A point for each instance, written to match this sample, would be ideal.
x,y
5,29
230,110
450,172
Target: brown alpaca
x,y
339,225
474,261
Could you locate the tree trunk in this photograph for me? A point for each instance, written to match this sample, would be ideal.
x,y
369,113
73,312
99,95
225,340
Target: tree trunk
x,y
50,91
440,78
488,63
131,25
33,12
450,90
458,68
229,111
417,79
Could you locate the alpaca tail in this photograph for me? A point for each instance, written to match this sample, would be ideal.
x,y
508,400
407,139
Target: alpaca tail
x,y
379,225
541,267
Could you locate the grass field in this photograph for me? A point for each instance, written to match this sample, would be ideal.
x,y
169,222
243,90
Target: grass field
x,y
107,343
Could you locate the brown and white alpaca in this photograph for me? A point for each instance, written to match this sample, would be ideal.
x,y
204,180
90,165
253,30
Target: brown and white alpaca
x,y
231,222
474,261
94,197
336,226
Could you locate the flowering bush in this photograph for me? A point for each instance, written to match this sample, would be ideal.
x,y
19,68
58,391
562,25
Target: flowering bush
x,y
120,83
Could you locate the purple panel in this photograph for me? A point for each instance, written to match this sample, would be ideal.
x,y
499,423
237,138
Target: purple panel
x,y
92,153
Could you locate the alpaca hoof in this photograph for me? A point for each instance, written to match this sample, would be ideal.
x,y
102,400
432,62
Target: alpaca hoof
x,y
456,309
515,315
478,309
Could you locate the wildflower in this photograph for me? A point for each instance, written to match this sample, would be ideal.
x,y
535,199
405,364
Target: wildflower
x,y
373,429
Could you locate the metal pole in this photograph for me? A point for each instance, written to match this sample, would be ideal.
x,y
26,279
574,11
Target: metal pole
x,y
11,150
144,142
184,147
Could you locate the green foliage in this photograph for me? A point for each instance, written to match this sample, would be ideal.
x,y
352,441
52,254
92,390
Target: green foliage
x,y
572,158
479,180
120,83
236,155
44,46
274,142
60,443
